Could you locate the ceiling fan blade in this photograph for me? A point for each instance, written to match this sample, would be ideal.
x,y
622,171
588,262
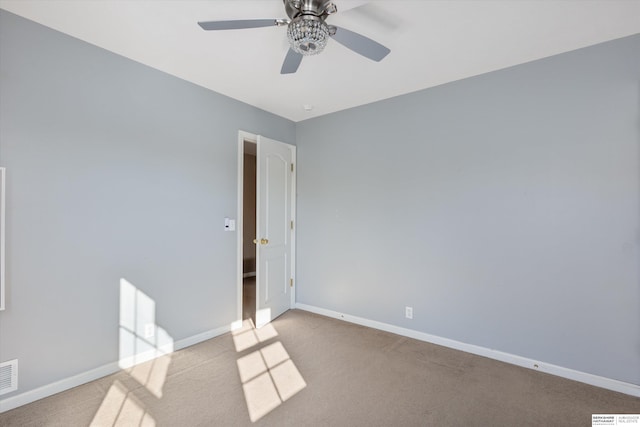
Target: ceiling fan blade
x,y
237,24
346,5
291,62
361,44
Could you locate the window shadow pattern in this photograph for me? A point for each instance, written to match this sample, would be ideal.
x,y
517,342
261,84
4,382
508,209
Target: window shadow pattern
x,y
144,353
268,375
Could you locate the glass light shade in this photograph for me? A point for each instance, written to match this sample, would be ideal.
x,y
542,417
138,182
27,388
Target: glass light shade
x,y
307,35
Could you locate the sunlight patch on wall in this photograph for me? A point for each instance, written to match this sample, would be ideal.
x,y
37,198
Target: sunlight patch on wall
x,y
144,350
121,408
142,340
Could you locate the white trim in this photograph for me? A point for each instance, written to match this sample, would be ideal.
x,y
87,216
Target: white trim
x,y
94,374
584,377
2,237
198,338
294,162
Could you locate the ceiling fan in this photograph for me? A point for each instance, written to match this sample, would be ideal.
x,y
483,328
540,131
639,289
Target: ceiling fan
x,y
307,32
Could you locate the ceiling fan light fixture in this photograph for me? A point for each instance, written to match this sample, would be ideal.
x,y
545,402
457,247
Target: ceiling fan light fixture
x,y
308,34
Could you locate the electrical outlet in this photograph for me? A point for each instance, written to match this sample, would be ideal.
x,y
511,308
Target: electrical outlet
x,y
408,312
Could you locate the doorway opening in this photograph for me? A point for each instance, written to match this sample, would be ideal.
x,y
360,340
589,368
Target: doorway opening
x,y
266,228
249,230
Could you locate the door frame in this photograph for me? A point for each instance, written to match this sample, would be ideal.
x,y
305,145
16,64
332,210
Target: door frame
x,y
253,138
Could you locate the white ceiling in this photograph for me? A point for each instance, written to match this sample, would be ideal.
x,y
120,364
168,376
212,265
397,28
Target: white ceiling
x,y
431,42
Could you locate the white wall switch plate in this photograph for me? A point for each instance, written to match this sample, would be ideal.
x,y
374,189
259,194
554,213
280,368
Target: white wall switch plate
x,y
229,224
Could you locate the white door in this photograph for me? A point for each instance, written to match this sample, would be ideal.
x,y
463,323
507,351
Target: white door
x,y
274,207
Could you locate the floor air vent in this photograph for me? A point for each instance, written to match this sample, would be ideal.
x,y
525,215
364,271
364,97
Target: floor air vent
x,y
8,376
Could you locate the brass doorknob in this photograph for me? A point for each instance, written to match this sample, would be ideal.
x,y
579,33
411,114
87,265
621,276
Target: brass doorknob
x,y
264,241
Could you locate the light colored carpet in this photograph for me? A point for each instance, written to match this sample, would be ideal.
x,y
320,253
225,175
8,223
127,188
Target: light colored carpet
x,y
309,370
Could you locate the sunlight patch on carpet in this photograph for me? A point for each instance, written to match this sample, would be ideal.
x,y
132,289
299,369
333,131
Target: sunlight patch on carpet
x,y
152,374
247,336
121,408
268,375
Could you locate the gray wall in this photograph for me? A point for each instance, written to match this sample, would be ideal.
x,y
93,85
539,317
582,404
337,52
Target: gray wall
x,y
504,208
114,170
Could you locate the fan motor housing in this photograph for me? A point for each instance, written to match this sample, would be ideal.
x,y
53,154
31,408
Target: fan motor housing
x,y
319,8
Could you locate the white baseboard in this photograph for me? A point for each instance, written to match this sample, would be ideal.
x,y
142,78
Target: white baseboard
x,y
57,387
195,339
595,380
94,374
